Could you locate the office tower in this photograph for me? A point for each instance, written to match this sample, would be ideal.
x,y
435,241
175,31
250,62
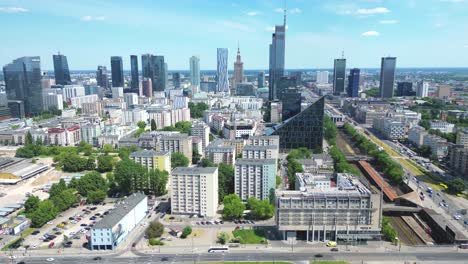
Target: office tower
x,y
61,71
195,70
222,71
289,95
387,76
238,70
322,77
261,79
422,89
405,89
135,84
339,75
165,75
277,58
304,129
255,178
353,83
117,71
153,67
147,87
23,83
176,79
194,191
101,77
152,160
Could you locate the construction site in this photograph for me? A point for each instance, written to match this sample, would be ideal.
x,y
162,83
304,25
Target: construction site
x,y
412,213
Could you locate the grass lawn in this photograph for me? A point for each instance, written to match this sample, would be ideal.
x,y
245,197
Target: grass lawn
x,y
250,236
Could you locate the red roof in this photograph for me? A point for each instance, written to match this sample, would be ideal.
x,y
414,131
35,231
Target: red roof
x,y
56,130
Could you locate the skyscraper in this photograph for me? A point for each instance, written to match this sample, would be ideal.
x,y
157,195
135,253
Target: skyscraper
x,y
238,69
23,83
387,77
176,79
261,79
222,71
353,83
61,71
195,70
101,77
339,75
405,89
135,84
422,89
153,68
304,129
117,71
277,57
147,87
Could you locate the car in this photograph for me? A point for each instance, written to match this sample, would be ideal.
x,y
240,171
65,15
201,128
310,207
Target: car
x,y
76,237
465,222
252,222
97,258
67,246
33,246
133,244
457,217
21,262
318,255
55,229
50,223
68,242
334,249
35,232
202,222
441,204
93,208
164,259
71,218
87,228
83,225
12,257
72,233
58,233
221,221
50,259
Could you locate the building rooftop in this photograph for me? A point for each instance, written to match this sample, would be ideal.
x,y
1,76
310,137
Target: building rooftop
x,y
194,170
149,153
120,210
256,147
255,161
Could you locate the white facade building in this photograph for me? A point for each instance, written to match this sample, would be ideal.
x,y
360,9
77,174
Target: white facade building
x,y
322,77
201,130
117,92
52,99
80,100
442,126
70,91
130,99
133,116
255,178
422,89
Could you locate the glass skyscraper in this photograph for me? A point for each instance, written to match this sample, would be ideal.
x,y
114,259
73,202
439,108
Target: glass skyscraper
x,y
154,69
135,85
117,71
387,77
261,79
277,58
61,71
176,79
353,83
339,75
23,83
195,70
101,77
222,71
304,129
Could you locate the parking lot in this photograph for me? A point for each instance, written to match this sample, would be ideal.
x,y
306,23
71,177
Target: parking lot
x,y
69,229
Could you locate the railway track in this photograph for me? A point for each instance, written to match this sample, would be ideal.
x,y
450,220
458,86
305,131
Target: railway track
x,y
405,233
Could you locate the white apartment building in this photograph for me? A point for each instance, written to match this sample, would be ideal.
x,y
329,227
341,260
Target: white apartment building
x,y
52,99
390,128
177,142
442,126
117,92
255,178
180,101
218,152
194,191
416,135
130,99
422,89
322,77
133,116
70,91
80,100
260,152
438,145
90,133
201,130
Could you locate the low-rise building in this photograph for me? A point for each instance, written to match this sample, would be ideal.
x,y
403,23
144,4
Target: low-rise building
x,y
345,210
416,135
442,126
390,128
255,178
113,228
151,159
194,191
438,145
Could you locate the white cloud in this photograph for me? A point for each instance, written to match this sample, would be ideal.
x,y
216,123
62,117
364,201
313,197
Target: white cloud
x,y
365,11
389,21
252,13
279,10
371,33
295,11
272,28
13,10
92,18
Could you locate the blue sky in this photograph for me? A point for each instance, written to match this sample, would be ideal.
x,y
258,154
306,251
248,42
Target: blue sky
x,y
421,33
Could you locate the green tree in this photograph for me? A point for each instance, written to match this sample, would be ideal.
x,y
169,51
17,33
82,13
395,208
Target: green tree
x,y
154,230
91,163
278,181
197,109
72,163
31,204
124,152
329,130
153,125
57,188
233,207
207,163
130,177
179,160
195,156
107,148
105,163
158,181
141,124
260,209
223,237
45,212
456,186
24,152
186,232
225,180
64,200
85,148
96,196
28,140
184,127
92,181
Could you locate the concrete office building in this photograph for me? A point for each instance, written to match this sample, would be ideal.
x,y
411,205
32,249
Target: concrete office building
x,y
458,160
260,152
405,89
462,137
339,76
387,77
261,79
130,99
390,128
263,141
113,228
322,77
70,91
194,191
255,178
344,210
442,126
117,92
152,160
90,133
51,99
80,100
147,87
102,77
416,135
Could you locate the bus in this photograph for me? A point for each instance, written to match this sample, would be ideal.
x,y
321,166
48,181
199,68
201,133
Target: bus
x,y
218,249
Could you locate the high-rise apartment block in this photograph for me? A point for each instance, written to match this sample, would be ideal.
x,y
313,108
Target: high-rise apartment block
x,y
177,142
201,130
194,191
422,89
152,160
195,71
255,178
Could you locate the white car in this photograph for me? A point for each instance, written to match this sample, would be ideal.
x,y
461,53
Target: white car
x,y
12,257
50,223
33,246
72,233
457,217
50,259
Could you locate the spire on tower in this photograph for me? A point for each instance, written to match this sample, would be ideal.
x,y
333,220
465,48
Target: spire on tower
x,y
285,13
342,54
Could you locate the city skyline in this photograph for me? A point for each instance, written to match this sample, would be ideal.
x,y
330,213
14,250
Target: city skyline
x,y
409,31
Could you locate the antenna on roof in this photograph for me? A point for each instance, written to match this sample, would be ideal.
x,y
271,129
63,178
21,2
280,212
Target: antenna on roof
x,y
342,54
285,13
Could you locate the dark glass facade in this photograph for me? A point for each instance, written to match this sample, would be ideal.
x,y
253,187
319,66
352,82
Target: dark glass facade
x,y
261,79
135,84
339,75
23,83
303,130
176,79
277,59
353,83
387,77
117,71
405,89
101,77
153,68
61,71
